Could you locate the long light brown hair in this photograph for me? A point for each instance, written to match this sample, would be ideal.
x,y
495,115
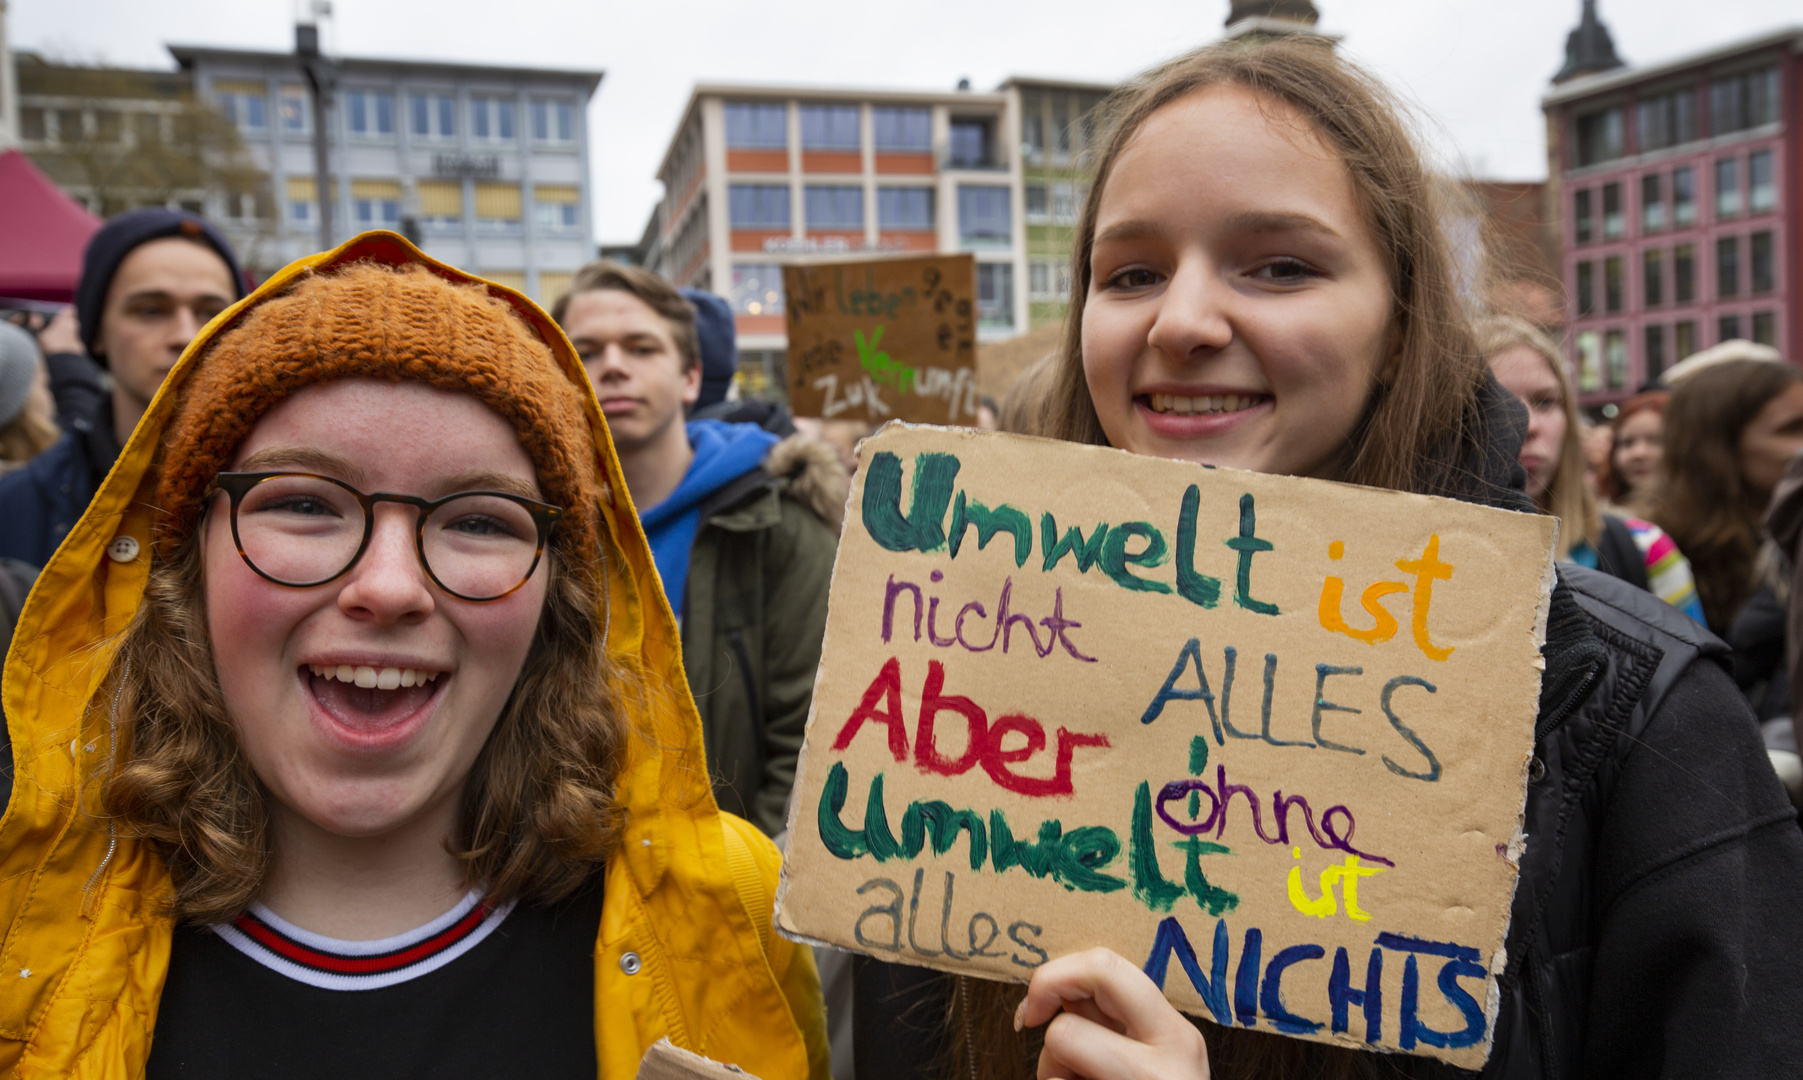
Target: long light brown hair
x,y
1566,497
1703,499
29,434
1421,421
539,809
1421,427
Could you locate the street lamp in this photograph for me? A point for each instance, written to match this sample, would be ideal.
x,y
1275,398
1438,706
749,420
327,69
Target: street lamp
x,y
322,76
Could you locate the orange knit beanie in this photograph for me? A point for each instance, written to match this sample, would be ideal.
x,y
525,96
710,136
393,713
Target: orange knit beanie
x,y
367,320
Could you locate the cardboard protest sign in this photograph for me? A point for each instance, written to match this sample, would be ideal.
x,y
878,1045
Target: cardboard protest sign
x,y
1267,737
667,1061
884,339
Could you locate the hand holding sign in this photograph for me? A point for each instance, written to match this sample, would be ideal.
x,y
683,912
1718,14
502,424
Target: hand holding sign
x,y
1073,697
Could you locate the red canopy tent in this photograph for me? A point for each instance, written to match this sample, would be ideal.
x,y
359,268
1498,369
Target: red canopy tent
x,y
42,233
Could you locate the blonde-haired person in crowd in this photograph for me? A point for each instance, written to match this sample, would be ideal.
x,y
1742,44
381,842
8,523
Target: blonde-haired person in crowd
x,y
1261,281
27,412
1527,363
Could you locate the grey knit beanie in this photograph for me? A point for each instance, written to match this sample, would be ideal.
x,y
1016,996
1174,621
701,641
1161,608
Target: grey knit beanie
x,y
18,367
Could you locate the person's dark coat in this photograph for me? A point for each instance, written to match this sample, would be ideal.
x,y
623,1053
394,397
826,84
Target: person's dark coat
x,y
754,614
43,499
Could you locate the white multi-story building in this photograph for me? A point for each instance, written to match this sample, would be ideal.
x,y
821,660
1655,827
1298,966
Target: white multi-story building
x,y
492,162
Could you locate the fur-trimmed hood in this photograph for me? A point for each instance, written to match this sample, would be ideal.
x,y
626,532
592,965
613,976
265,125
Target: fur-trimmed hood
x,y
816,478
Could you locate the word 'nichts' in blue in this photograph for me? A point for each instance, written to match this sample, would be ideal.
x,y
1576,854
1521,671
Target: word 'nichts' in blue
x,y
923,528
1258,988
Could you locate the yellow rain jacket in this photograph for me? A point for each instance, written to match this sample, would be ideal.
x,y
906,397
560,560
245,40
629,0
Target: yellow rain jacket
x,y
685,947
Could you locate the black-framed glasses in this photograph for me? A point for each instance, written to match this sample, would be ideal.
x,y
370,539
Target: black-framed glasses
x,y
301,530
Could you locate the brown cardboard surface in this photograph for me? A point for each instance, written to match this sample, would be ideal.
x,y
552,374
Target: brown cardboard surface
x,y
1354,672
883,339
667,1061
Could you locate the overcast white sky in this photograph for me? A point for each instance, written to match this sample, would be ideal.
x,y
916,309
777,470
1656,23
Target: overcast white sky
x,y
1476,68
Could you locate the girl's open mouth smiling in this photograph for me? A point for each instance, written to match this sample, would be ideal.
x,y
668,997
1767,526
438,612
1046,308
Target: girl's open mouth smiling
x,y
370,707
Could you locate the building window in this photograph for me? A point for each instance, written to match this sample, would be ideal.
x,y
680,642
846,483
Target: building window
x,y
554,122
995,295
1032,128
757,125
1684,273
1582,221
1684,197
899,129
1765,328
303,200
829,127
1590,361
983,218
245,104
1586,289
1613,284
1762,276
1727,328
1049,279
1614,221
1667,120
1615,355
1652,275
1600,136
1064,203
1038,199
435,116
757,289
970,145
376,204
758,206
1763,189
557,206
491,119
440,203
33,124
833,206
1655,350
1652,204
369,113
1684,340
1727,267
1740,102
498,207
1727,187
904,207
294,109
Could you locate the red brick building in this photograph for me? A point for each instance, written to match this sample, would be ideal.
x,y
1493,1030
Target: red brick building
x,y
1675,192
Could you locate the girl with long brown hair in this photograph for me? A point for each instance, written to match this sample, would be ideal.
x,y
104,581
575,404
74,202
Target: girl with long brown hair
x,y
1261,281
1527,364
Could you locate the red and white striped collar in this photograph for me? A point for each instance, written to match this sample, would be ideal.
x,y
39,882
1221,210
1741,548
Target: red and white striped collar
x,y
332,964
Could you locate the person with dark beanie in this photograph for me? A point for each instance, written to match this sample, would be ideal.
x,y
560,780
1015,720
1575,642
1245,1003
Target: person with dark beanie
x,y
150,279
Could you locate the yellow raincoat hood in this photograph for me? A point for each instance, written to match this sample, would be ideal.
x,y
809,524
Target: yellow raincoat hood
x,y
685,948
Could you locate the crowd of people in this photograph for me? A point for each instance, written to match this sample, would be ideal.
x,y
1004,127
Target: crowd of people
x,y
414,685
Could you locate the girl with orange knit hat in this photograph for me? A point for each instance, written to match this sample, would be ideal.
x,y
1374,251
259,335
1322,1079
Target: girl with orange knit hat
x,y
350,729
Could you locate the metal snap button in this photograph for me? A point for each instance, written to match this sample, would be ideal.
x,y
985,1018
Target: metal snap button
x,y
630,963
122,549
1536,771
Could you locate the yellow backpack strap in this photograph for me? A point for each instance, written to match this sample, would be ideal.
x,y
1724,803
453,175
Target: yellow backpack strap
x,y
747,879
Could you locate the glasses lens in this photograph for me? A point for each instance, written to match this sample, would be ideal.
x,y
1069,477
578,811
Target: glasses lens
x,y
299,529
481,546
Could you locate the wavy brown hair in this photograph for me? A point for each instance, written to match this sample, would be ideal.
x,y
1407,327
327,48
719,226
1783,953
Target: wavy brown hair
x,y
1422,422
1703,499
539,812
